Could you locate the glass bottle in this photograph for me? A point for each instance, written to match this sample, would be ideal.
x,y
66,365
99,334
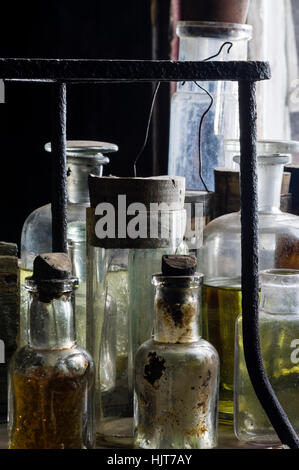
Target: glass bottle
x,y
176,372
220,258
279,336
199,206
51,379
198,41
83,157
121,268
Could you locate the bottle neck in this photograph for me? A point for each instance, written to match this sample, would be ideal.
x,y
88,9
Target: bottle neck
x,y
177,314
77,179
280,292
269,187
51,324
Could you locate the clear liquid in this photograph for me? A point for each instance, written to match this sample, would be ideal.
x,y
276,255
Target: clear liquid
x,y
115,426
277,332
221,307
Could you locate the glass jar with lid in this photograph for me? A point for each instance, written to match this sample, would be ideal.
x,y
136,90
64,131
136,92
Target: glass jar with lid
x,y
131,223
83,157
220,258
279,337
199,41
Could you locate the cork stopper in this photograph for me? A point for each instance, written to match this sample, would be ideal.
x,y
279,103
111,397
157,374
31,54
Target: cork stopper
x,y
178,265
51,267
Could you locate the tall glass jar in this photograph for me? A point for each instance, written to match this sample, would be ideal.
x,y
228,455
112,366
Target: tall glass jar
x,y
279,336
120,263
220,258
83,157
198,41
51,379
176,372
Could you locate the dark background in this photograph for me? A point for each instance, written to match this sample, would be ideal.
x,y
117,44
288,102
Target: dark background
x,y
113,113
113,29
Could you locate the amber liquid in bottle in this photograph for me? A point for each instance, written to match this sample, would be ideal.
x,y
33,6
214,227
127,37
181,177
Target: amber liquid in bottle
x,y
59,399
221,307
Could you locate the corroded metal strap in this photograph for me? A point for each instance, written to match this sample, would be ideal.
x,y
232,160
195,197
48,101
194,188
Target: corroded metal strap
x,y
250,287
96,70
59,192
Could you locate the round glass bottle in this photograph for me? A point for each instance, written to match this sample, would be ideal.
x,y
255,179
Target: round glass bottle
x,y
198,41
220,258
279,337
83,157
176,372
51,379
120,265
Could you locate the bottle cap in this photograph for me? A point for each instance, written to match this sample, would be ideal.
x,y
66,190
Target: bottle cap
x,y
178,265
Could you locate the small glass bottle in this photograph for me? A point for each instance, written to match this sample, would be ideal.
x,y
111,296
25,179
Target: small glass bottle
x,y
279,336
198,41
220,258
176,372
83,157
51,379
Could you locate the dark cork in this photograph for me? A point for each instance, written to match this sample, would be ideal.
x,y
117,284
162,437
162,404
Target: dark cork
x,y
51,266
178,265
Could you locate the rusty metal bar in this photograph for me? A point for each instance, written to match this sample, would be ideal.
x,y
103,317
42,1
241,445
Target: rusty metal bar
x,y
59,192
250,281
95,70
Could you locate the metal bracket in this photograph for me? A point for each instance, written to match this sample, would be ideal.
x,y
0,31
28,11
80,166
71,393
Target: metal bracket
x,y
62,72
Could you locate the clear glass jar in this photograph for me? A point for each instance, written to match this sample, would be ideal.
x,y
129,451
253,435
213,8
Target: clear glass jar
x,y
83,157
279,336
220,258
198,41
176,373
121,268
51,379
199,206
108,342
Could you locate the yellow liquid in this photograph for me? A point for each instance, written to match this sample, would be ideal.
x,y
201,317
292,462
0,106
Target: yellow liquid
x,y
221,307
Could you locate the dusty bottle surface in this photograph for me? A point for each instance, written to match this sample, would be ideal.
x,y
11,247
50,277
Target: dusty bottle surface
x,y
279,335
51,378
176,372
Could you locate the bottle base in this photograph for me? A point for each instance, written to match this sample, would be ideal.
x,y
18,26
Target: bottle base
x,y
117,433
226,412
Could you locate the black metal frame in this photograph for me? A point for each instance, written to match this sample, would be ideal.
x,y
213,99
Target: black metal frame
x,y
61,72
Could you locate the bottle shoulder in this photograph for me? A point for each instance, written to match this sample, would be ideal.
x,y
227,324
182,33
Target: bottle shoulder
x,y
268,317
281,221
200,348
73,361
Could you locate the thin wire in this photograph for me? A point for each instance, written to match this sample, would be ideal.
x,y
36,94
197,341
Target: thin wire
x,y
199,134
200,124
207,110
220,50
147,127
